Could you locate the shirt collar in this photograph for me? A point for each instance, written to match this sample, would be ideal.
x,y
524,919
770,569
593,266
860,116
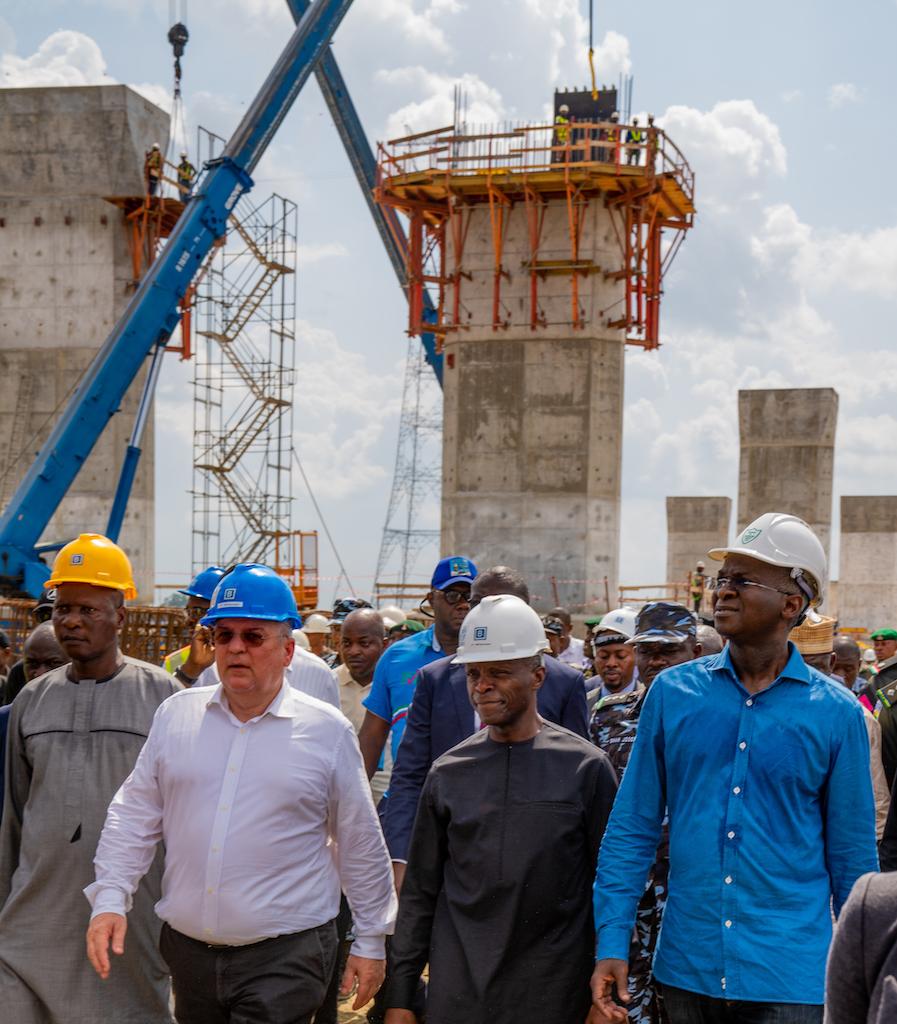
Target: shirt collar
x,y
434,643
280,707
628,688
795,667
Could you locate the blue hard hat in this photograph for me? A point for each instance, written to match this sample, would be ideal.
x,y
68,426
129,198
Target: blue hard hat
x,y
204,583
252,591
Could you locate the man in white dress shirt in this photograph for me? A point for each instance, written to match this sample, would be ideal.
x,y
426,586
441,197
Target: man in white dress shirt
x,y
260,797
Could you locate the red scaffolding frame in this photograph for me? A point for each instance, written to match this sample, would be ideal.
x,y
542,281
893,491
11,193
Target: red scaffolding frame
x,y
438,178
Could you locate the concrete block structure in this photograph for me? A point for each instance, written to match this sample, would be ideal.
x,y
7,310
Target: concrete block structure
x,y
787,441
867,582
548,259
66,275
694,526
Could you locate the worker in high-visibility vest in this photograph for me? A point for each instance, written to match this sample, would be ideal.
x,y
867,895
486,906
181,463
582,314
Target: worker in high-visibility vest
x,y
613,137
152,169
634,138
188,663
561,130
186,176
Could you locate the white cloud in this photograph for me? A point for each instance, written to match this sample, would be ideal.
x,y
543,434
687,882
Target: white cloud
x,y
418,23
841,94
63,58
792,95
314,252
434,107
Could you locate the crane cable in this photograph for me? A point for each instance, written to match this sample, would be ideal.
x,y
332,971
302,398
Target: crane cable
x,y
592,50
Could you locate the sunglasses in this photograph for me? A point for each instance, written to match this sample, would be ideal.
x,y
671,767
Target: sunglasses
x,y
453,597
740,585
222,636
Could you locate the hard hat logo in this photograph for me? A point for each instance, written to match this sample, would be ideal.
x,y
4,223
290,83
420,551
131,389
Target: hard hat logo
x,y
749,535
229,594
76,560
480,633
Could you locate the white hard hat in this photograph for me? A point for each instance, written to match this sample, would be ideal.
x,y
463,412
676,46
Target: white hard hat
x,y
301,640
869,657
778,538
563,109
620,621
155,145
316,624
388,623
500,628
394,612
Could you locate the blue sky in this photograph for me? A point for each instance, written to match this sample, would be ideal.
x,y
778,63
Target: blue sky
x,y
788,279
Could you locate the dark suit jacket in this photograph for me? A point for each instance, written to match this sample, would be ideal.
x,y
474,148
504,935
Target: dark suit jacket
x,y
861,981
441,716
4,725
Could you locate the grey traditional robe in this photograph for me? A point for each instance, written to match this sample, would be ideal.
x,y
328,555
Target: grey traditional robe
x,y
69,747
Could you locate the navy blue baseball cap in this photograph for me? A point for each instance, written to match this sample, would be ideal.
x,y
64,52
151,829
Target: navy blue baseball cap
x,y
553,625
663,622
452,570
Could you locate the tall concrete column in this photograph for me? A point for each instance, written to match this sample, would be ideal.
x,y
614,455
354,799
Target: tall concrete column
x,y
787,455
65,277
533,416
867,581
694,526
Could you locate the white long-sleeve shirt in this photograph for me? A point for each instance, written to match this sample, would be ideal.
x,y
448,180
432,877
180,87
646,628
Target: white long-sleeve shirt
x,y
306,672
248,812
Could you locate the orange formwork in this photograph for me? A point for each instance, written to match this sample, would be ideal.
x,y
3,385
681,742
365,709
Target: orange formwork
x,y
437,178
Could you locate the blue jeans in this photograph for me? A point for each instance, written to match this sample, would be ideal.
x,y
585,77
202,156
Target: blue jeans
x,y
691,1008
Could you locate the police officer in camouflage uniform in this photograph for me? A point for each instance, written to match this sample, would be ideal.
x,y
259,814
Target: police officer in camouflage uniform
x,y
665,635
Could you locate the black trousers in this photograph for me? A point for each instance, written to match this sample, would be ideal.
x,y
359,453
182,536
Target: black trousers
x,y
684,1007
277,981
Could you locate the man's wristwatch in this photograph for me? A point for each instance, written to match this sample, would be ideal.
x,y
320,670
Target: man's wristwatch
x,y
182,676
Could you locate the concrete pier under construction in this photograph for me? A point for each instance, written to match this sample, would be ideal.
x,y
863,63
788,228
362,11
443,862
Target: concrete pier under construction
x,y
694,526
66,275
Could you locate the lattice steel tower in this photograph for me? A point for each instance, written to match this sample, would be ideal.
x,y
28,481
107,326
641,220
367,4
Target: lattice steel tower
x,y
412,519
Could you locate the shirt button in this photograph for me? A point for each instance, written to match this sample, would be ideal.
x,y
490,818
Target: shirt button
x,y
731,835
728,879
242,728
224,807
749,703
742,745
215,849
211,892
737,790
728,924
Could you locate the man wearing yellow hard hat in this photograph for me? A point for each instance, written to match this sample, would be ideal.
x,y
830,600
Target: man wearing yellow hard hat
x,y
74,736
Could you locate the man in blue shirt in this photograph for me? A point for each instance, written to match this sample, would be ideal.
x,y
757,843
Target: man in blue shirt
x,y
396,674
763,764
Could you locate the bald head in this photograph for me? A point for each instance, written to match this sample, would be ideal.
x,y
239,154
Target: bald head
x,y
500,579
42,652
365,620
711,642
847,659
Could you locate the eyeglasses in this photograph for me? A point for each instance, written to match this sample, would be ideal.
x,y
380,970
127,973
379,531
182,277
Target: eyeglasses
x,y
250,637
739,585
454,597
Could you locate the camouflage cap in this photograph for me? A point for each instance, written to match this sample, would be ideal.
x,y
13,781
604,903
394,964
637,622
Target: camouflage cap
x,y
663,622
553,625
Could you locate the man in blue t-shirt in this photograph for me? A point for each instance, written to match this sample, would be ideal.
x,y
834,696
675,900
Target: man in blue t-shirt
x,y
395,676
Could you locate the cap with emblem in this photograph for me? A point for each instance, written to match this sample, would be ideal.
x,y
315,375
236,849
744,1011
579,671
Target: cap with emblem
x,y
553,625
884,634
452,570
663,622
345,606
615,628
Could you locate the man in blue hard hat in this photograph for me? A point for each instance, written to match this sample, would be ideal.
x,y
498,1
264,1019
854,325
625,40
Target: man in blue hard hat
x,y
252,786
396,674
187,663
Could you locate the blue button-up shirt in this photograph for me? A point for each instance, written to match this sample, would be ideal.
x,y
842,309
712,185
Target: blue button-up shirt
x,y
771,819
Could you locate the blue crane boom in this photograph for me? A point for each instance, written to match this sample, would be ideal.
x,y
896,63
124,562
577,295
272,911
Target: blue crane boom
x,y
152,314
364,164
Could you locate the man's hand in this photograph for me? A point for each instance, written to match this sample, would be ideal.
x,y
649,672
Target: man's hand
x,y
368,973
202,652
400,1017
604,1010
101,930
398,872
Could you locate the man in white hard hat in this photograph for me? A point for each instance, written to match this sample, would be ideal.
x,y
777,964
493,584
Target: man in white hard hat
x,y
763,764
496,895
316,628
613,658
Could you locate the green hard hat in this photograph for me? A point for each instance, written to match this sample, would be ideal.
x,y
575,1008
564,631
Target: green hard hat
x,y
884,634
593,620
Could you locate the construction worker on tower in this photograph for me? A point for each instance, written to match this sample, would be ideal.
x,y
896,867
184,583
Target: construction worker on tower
x,y
697,583
561,127
188,663
74,736
152,169
635,137
613,137
186,176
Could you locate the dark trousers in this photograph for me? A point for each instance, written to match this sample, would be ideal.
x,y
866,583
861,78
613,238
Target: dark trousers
x,y
329,1009
691,1008
277,981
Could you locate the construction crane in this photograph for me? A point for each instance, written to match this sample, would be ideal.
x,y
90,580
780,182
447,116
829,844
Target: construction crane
x,y
153,312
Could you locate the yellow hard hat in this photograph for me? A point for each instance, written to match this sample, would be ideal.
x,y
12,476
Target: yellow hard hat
x,y
96,560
